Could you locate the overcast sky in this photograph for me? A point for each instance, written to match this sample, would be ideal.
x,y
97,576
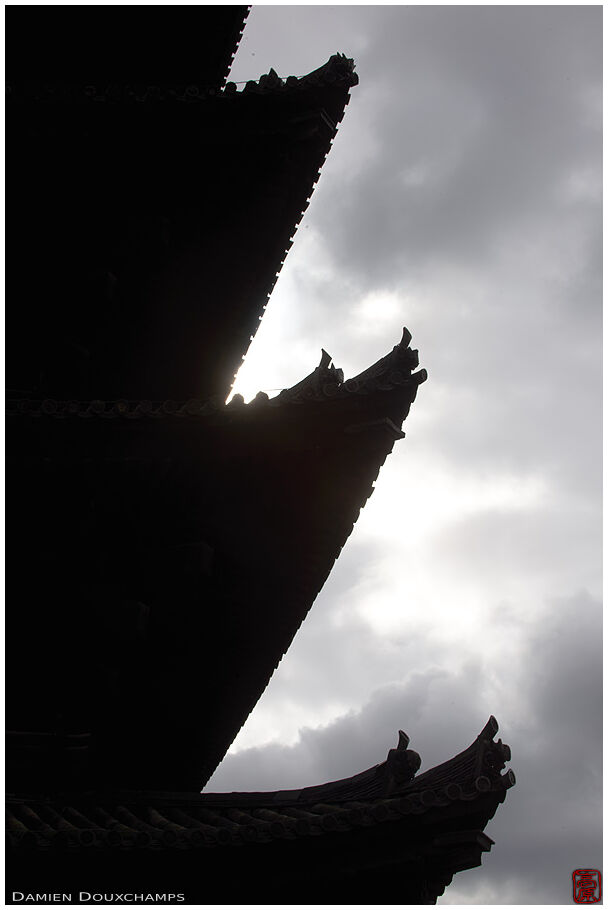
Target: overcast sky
x,y
461,198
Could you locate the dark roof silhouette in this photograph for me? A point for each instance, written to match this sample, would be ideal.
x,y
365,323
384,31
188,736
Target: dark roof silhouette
x,y
282,481
58,45
436,820
164,214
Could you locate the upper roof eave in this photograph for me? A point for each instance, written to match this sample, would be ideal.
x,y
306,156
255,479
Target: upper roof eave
x,y
325,384
338,73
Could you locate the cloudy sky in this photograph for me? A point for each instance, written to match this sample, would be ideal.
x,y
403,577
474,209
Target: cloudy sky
x,y
461,198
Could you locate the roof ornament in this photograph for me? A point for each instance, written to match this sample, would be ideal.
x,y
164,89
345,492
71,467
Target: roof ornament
x,y
311,387
325,361
270,80
490,730
339,68
394,368
400,766
403,743
390,372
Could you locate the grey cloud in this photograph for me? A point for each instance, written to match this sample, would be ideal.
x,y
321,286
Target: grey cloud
x,y
536,428
486,104
495,546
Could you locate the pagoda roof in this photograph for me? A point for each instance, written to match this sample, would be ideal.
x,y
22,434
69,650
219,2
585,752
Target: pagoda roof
x,y
325,384
239,461
232,174
434,820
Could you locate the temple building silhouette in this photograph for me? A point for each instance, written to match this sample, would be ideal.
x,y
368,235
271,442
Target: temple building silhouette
x,y
164,547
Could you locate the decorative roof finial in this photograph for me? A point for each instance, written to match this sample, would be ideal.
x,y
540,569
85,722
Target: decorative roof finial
x,y
325,360
401,765
404,741
405,338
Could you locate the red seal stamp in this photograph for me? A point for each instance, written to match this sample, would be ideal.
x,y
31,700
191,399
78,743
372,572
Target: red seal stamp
x,y
586,886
